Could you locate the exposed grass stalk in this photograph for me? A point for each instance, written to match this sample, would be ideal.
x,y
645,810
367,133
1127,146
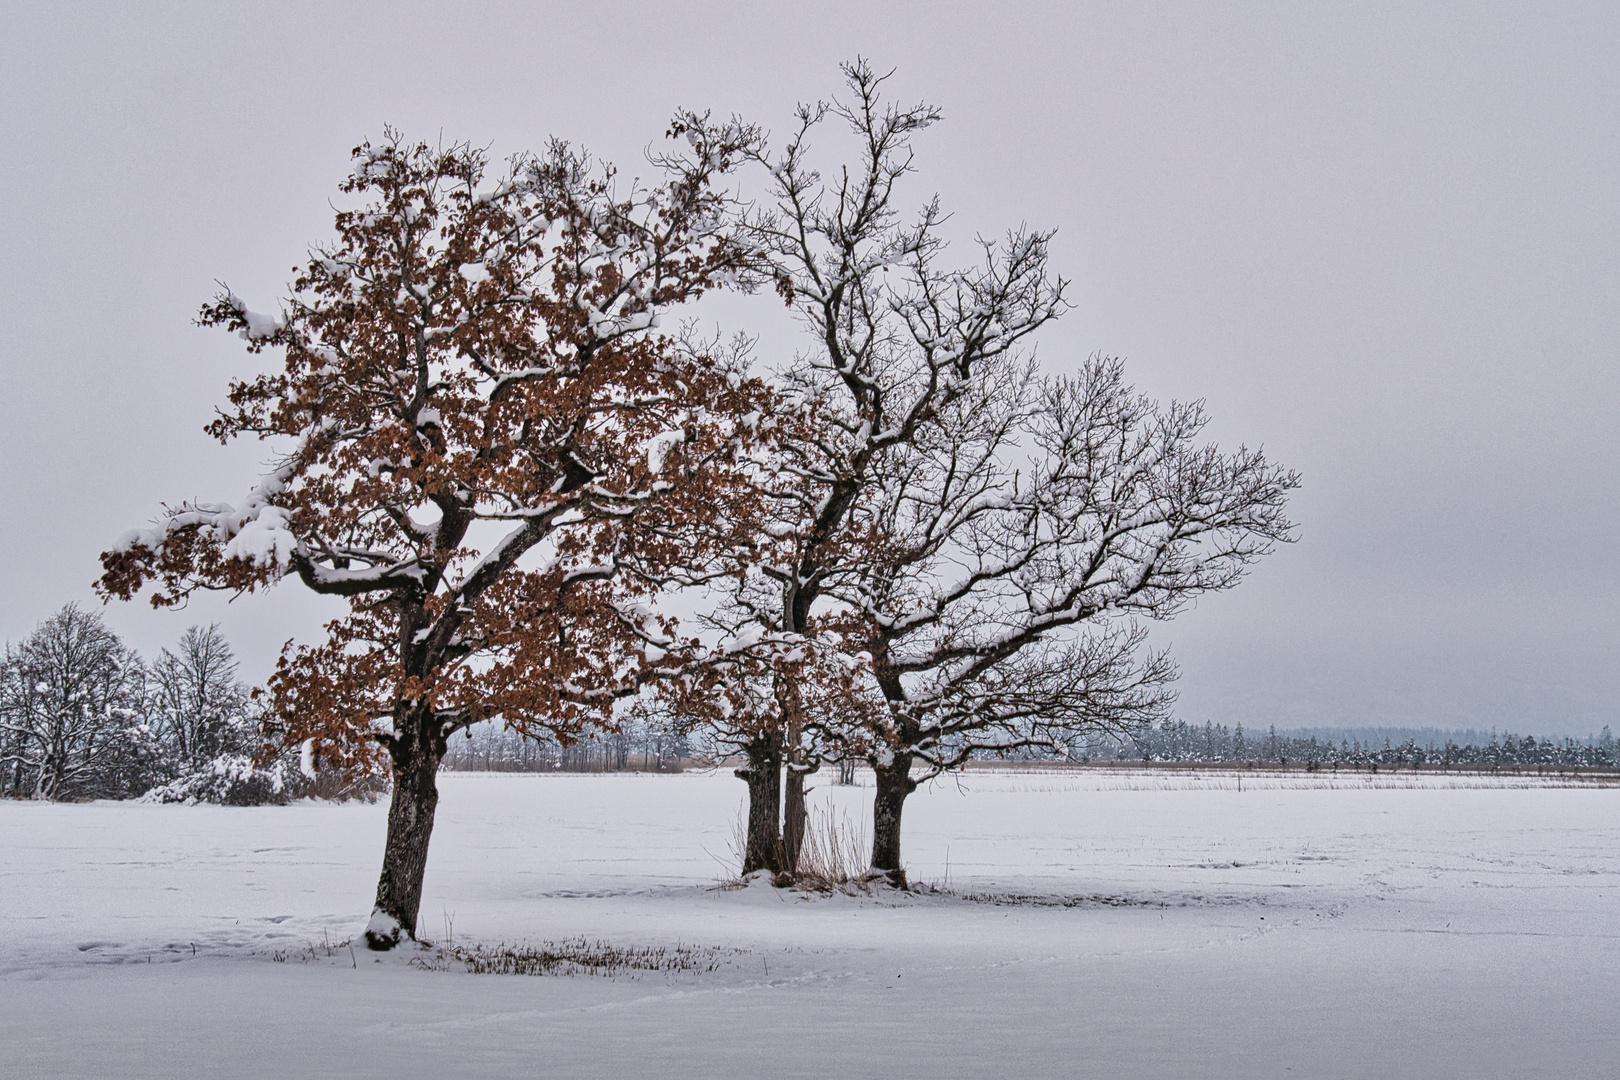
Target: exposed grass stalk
x,y
834,853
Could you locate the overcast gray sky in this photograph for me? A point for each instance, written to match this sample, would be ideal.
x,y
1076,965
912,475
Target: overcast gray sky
x,y
1382,240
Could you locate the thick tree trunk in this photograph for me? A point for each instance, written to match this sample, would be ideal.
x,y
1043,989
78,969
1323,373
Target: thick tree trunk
x,y
894,783
763,774
410,826
793,810
794,818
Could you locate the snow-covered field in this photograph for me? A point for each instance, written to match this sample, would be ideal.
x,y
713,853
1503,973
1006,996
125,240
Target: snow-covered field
x,y
1095,924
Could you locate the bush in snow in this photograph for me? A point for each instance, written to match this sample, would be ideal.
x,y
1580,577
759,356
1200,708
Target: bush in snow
x,y
231,780
244,780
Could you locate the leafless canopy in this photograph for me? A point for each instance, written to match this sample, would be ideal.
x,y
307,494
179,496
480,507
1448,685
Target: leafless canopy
x,y
959,554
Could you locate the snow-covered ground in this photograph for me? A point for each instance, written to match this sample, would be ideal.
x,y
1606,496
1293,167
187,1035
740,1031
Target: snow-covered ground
x,y
1094,924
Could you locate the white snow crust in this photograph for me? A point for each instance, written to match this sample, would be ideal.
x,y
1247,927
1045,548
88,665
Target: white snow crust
x,y
1101,924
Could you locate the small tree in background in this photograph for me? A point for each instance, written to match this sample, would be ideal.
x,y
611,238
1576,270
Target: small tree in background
x,y
217,745
198,708
72,712
480,431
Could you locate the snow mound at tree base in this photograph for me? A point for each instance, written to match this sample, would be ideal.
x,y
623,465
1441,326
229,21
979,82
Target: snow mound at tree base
x,y
383,931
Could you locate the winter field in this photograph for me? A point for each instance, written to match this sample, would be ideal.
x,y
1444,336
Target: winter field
x,y
1095,923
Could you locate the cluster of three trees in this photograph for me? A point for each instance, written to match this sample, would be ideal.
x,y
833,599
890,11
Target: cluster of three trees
x,y
905,545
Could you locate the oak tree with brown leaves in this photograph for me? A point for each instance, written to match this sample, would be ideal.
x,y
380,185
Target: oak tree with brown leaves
x,y
486,445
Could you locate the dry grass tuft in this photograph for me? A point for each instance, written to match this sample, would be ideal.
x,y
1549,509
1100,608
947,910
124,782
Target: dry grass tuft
x,y
834,853
833,856
572,957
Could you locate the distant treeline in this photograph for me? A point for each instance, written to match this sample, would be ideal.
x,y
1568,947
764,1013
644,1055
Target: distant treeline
x,y
636,747
644,747
1374,748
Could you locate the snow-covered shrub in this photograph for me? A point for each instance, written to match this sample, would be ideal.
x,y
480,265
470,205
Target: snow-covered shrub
x,y
237,780
136,759
231,780
336,785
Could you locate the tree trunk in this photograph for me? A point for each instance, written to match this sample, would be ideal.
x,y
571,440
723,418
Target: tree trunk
x,y
794,818
793,810
894,783
410,826
763,774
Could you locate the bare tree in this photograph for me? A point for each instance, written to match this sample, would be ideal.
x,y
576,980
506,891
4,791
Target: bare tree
x,y
198,706
865,283
1018,546
71,704
955,548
